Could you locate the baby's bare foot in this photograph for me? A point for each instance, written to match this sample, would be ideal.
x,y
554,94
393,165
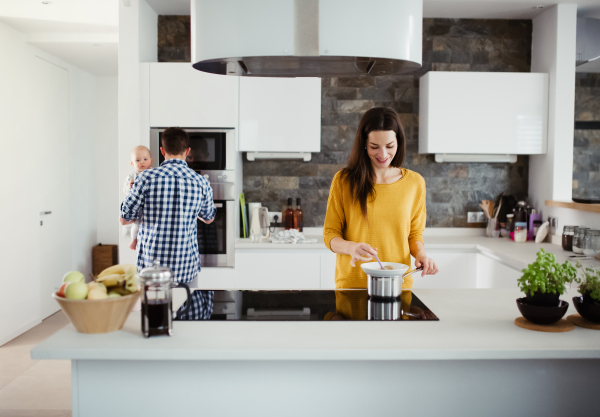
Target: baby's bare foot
x,y
133,244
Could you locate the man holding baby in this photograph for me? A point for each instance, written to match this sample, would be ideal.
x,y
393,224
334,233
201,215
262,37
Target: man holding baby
x,y
172,197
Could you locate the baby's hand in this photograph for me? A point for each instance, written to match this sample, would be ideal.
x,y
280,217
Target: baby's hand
x,y
131,183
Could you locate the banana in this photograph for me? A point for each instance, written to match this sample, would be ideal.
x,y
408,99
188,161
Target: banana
x,y
111,280
120,269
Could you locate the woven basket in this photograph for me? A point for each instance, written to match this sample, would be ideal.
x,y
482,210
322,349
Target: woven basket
x,y
104,256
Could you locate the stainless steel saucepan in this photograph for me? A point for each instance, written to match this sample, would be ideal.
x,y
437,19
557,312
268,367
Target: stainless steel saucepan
x,y
386,283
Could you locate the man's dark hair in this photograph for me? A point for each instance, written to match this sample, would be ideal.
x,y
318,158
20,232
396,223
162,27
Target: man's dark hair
x,y
175,141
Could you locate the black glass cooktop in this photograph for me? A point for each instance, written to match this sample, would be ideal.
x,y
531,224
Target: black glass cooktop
x,y
317,306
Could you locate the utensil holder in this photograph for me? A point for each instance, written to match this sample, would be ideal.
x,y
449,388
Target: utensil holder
x,y
492,229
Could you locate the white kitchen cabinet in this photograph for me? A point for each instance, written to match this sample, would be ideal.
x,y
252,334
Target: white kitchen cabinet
x,y
183,96
483,113
277,269
328,260
280,114
456,270
492,273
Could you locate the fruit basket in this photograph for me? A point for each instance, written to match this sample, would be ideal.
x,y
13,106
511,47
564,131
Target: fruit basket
x,y
98,316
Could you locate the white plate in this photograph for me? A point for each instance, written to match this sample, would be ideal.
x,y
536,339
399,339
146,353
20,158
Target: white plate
x,y
373,269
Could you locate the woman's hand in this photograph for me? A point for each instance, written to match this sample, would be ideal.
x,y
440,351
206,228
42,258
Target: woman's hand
x,y
428,264
362,252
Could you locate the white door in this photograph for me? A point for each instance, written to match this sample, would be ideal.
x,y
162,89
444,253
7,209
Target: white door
x,y
51,151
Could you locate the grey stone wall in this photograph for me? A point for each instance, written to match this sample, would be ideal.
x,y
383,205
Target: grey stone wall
x,y
174,39
586,151
452,189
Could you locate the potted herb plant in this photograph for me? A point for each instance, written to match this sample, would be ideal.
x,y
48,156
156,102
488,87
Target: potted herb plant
x,y
588,304
544,280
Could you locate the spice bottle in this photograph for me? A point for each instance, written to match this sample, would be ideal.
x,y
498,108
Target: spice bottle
x,y
298,217
289,215
567,237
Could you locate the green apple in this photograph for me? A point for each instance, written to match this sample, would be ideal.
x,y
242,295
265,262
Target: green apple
x,y
76,291
73,276
114,295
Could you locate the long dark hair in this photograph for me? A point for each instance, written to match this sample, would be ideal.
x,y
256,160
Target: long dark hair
x,y
359,172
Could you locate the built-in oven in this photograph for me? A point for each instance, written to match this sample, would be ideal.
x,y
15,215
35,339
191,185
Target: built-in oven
x,y
210,149
212,155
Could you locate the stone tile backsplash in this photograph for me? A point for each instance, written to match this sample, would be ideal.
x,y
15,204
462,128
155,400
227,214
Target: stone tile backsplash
x,y
586,150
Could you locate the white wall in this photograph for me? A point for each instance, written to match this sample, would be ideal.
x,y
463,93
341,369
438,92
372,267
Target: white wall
x,y
19,210
108,183
551,175
19,217
137,36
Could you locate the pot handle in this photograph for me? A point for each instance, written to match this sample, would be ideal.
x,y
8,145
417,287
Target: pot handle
x,y
412,272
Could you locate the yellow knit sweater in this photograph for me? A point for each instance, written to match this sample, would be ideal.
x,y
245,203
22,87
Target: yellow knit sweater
x,y
396,216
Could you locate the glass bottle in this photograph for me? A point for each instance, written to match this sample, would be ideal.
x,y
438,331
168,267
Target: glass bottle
x,y
289,216
567,237
578,240
298,217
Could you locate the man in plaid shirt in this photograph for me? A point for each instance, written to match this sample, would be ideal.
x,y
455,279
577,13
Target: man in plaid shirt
x,y
173,196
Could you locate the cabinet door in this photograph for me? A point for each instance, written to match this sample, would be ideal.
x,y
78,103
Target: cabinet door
x,y
456,270
277,270
280,114
328,260
185,97
51,112
494,274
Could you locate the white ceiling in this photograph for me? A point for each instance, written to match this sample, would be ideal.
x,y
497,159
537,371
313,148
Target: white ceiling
x,y
84,33
69,29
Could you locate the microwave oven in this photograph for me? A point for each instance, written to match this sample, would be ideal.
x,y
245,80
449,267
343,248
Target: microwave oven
x,y
211,149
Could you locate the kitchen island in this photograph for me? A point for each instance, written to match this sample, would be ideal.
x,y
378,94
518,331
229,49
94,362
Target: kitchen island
x,y
474,361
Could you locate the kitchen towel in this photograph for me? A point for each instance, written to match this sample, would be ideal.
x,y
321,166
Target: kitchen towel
x,y
291,236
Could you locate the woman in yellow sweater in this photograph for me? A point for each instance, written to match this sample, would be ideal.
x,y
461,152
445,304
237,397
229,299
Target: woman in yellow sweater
x,y
375,206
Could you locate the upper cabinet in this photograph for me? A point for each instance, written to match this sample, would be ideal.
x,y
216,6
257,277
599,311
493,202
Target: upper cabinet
x,y
182,96
483,113
280,114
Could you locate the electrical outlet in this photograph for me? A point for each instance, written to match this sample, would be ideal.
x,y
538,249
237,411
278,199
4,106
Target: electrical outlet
x,y
475,217
272,215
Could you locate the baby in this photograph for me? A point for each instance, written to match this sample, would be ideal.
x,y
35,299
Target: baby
x,y
140,160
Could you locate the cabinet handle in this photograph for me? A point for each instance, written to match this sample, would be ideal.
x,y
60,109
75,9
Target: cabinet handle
x,y
222,177
43,213
219,205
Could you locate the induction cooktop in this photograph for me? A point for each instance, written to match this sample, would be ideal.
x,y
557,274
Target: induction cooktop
x,y
319,305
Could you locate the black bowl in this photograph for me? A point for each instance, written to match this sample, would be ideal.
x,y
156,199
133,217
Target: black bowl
x,y
588,311
542,314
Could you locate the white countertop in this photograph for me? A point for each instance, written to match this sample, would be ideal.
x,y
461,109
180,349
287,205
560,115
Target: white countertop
x,y
474,324
515,255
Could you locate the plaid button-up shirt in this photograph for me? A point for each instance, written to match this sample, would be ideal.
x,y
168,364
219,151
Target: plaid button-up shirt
x,y
172,196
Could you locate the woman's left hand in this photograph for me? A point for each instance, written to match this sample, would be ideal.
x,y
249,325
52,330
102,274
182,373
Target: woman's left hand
x,y
429,265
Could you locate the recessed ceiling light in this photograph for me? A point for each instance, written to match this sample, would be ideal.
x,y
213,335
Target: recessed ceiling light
x,y
538,7
46,2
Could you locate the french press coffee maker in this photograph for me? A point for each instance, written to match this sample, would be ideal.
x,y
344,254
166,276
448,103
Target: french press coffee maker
x,y
157,300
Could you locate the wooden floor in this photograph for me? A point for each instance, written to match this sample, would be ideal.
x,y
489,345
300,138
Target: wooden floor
x,y
32,388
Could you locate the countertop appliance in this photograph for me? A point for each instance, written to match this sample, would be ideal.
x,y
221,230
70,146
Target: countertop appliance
x,y
318,305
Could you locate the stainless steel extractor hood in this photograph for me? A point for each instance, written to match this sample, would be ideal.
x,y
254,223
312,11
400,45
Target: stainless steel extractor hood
x,y
306,38
588,40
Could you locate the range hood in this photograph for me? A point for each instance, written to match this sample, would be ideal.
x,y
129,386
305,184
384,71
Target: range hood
x,y
588,40
306,38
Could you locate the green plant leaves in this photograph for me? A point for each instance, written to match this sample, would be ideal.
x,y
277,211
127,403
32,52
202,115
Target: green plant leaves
x,y
546,275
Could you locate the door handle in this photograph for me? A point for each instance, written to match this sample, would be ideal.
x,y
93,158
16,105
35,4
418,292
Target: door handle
x,y
43,213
